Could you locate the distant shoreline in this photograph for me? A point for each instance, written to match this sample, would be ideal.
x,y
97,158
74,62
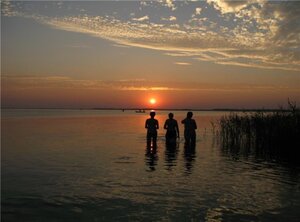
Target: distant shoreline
x,y
160,109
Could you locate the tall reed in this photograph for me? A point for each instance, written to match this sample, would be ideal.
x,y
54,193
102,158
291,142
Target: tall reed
x,y
271,135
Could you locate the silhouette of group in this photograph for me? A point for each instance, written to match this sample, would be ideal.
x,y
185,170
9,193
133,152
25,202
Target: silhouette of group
x,y
172,130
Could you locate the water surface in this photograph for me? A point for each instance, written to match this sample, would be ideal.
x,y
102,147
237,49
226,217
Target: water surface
x,y
93,165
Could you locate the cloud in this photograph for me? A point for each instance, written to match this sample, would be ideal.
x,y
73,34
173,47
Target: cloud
x,y
183,63
248,58
288,28
171,18
259,34
226,6
198,11
121,46
8,9
141,19
144,3
64,82
169,3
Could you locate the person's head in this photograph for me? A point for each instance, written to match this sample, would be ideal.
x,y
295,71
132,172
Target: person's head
x,y
152,114
171,115
189,115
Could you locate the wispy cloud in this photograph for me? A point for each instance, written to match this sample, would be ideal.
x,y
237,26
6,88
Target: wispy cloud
x,y
63,82
141,19
254,33
183,63
171,18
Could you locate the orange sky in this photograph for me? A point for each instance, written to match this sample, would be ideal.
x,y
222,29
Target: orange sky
x,y
203,54
85,97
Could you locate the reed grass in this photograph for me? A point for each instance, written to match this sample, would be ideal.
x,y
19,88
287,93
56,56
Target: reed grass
x,y
271,135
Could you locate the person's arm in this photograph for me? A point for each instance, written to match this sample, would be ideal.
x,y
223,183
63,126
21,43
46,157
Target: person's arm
x,y
182,121
195,124
146,124
157,125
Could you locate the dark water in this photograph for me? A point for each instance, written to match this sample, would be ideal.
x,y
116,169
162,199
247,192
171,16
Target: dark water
x,y
68,165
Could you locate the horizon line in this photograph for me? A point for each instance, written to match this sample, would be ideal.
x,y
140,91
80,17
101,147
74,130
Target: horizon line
x,y
158,109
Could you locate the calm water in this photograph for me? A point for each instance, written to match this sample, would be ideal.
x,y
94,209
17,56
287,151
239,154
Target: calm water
x,y
81,165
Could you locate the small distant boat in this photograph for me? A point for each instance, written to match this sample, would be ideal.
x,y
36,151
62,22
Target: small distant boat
x,y
140,111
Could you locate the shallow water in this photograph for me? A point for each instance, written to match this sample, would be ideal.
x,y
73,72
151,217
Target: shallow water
x,y
92,165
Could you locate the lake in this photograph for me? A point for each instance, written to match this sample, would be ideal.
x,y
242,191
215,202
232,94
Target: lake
x,y
93,165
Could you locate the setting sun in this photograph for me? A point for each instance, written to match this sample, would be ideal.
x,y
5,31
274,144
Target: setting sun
x,y
152,101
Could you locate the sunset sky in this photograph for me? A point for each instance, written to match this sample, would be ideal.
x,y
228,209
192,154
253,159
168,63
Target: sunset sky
x,y
185,54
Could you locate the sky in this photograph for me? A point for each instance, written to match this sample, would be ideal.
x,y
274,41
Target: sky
x,y
120,54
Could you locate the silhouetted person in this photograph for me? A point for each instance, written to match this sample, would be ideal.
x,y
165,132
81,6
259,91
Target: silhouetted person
x,y
190,127
151,125
171,126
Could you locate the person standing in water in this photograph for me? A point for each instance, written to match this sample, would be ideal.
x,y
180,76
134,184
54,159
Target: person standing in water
x,y
171,126
190,127
152,126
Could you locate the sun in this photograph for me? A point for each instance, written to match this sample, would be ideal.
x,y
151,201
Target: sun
x,y
152,101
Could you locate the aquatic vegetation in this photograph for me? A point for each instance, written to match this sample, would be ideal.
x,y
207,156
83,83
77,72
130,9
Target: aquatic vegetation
x,y
269,135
